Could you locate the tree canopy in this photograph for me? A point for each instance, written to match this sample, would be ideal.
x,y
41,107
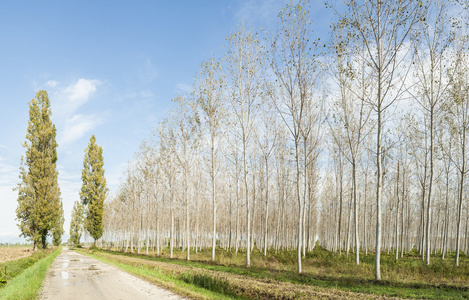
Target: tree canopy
x,y
39,204
93,191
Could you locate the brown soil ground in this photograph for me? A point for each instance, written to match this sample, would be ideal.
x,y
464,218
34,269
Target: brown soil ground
x,y
12,253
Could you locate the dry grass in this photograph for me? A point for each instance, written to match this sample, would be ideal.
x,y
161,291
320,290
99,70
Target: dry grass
x,y
323,272
12,253
329,266
241,285
25,275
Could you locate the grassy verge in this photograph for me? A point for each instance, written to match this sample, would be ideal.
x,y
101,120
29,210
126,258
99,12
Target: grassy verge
x,y
324,271
12,268
27,284
223,283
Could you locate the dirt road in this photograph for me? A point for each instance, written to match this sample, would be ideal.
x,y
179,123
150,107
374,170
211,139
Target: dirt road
x,y
76,276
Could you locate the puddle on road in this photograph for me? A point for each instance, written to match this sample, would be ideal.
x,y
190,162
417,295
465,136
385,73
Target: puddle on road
x,y
64,275
65,265
92,267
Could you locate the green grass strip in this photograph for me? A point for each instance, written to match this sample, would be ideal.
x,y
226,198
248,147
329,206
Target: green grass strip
x,y
174,283
346,283
11,269
26,285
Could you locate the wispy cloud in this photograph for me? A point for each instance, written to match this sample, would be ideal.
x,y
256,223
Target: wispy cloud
x,y
254,10
8,174
67,101
183,88
69,98
148,72
52,83
142,95
76,126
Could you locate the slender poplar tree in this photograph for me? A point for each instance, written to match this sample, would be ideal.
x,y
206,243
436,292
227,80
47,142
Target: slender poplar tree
x,y
76,224
58,229
211,107
384,41
38,192
93,191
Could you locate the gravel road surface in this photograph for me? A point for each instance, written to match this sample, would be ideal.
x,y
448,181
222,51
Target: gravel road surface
x,y
76,276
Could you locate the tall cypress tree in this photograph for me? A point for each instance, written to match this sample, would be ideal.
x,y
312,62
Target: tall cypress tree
x,y
39,203
93,191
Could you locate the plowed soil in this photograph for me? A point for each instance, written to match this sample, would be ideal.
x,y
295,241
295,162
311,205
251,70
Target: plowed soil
x,y
12,253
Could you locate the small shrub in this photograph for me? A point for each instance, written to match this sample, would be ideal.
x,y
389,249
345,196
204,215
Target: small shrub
x,y
286,256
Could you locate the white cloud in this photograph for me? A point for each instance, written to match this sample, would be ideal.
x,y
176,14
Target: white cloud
x,y
8,174
183,88
76,126
253,10
81,90
52,83
140,95
68,99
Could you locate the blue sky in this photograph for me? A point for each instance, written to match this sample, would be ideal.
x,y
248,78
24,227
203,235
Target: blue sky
x,y
111,69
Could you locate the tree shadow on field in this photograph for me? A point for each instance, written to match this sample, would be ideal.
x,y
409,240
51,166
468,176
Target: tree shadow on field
x,y
350,281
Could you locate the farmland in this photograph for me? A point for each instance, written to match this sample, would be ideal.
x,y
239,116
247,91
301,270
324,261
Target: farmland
x,y
15,252
326,275
22,278
301,162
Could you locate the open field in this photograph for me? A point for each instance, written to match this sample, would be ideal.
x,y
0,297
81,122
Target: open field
x,y
11,253
24,276
11,268
326,275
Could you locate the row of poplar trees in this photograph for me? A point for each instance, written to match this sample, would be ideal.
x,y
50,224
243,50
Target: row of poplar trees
x,y
40,209
87,214
360,141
